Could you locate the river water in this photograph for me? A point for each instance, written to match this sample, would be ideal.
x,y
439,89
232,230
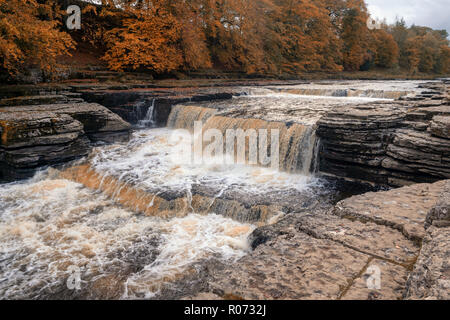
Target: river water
x,y
129,219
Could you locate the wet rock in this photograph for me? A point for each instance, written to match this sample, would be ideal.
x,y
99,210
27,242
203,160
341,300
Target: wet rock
x,y
335,254
292,266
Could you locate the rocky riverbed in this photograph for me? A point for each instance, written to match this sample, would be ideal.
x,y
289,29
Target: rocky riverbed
x,y
139,226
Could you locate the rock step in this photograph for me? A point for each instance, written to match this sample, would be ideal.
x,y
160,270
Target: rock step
x,y
41,100
203,198
404,209
41,135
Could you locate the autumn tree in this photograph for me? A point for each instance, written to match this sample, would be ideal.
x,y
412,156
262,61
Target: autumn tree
x,y
306,40
386,49
193,45
444,63
30,38
235,31
354,35
422,49
147,38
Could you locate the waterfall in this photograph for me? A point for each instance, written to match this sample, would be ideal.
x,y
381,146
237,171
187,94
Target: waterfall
x,y
183,117
297,142
148,120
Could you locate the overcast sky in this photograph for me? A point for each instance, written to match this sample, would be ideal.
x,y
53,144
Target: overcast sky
x,y
430,13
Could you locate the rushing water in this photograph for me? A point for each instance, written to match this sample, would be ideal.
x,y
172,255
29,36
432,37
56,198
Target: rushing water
x,y
132,218
49,225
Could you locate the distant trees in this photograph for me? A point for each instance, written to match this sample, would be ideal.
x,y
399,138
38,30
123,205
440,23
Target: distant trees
x,y
29,36
255,37
420,48
386,50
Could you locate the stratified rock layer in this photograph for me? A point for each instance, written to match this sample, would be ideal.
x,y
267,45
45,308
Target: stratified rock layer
x,y
35,136
389,143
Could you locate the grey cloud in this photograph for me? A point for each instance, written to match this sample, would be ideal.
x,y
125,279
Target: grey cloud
x,y
430,13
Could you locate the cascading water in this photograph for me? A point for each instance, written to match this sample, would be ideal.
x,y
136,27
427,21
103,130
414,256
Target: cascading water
x,y
50,226
148,120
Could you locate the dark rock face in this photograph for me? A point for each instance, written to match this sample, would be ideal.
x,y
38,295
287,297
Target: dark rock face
x,y
133,105
388,144
36,136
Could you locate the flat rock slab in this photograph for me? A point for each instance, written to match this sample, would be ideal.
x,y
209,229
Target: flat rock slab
x,y
373,239
430,278
292,266
404,209
391,285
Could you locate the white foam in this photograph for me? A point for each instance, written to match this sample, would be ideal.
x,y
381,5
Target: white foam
x,y
48,225
148,161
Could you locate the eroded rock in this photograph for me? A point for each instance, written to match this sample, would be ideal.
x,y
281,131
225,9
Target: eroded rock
x,y
41,135
430,278
404,209
440,126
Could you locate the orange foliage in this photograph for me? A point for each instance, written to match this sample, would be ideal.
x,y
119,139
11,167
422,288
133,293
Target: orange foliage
x,y
147,39
354,35
29,37
252,36
386,49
